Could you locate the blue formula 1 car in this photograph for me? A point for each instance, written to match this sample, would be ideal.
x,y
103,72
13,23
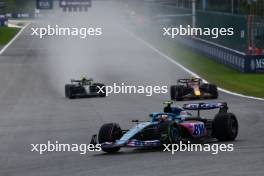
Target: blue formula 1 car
x,y
171,126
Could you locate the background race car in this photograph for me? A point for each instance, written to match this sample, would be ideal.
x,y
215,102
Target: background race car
x,y
84,88
171,126
193,88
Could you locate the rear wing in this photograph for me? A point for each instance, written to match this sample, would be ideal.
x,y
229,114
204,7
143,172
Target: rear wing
x,y
75,81
80,81
206,106
188,80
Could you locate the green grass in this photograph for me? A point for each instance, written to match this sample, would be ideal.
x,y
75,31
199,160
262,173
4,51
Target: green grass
x,y
6,34
225,77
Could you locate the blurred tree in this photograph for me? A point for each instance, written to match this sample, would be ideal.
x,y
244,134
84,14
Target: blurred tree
x,y
253,7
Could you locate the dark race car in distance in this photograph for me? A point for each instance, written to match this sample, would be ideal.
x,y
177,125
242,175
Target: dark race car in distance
x,y
84,88
193,88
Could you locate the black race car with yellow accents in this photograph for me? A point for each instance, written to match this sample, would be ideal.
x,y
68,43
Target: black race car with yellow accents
x,y
84,88
193,88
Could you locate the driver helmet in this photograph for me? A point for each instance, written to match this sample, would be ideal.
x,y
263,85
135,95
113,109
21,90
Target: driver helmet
x,y
192,78
84,78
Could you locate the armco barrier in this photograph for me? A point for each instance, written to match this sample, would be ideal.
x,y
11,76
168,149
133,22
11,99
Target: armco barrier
x,y
232,58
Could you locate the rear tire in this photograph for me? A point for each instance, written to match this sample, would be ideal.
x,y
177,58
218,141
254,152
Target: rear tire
x,y
110,132
212,89
68,91
176,92
225,127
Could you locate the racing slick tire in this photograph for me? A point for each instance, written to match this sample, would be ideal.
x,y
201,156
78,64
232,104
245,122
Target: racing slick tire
x,y
225,127
212,89
68,91
110,132
176,92
170,133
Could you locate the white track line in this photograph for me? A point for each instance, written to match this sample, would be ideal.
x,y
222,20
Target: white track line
x,y
13,39
186,69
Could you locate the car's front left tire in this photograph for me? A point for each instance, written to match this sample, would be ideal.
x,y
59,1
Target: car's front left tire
x,y
170,133
176,92
110,132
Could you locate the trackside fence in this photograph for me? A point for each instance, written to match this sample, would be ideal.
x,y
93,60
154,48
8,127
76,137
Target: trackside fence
x,y
232,58
231,51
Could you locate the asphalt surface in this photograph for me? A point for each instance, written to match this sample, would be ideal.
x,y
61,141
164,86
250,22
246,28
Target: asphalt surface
x,y
34,110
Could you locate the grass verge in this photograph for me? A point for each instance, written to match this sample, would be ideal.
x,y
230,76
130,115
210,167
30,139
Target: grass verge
x,y
221,75
6,34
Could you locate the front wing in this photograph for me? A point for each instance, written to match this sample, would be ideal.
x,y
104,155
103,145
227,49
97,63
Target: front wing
x,y
203,95
133,143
